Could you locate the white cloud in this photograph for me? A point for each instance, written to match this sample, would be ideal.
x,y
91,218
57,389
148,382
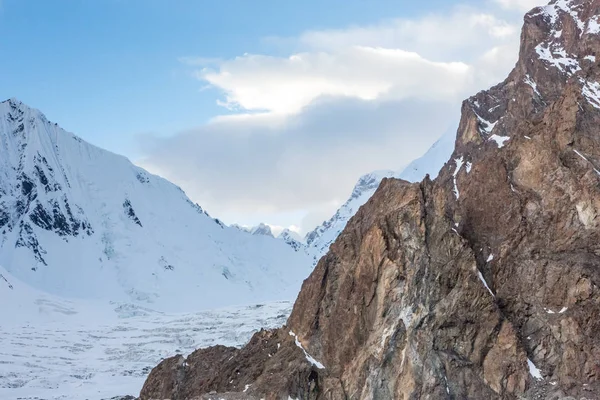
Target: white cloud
x,y
310,162
286,85
520,5
442,37
343,103
426,58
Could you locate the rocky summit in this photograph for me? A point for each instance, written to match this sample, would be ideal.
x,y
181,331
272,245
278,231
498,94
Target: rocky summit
x,y
480,284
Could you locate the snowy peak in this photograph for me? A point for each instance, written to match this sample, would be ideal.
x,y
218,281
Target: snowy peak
x,y
319,240
259,230
292,239
370,182
287,233
79,221
33,184
262,229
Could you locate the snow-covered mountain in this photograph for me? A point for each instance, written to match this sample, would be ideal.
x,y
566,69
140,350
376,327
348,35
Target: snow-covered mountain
x,y
79,221
319,240
316,242
260,229
293,239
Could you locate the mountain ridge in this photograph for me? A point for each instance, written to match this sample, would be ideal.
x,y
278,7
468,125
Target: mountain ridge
x,y
79,221
319,239
482,283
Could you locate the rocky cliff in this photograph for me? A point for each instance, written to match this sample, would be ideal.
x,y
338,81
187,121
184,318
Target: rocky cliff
x,y
319,239
481,284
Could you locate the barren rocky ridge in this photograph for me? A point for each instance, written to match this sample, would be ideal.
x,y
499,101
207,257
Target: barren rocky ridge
x,y
483,283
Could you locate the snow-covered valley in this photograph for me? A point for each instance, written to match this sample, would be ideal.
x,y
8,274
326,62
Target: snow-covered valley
x,y
53,348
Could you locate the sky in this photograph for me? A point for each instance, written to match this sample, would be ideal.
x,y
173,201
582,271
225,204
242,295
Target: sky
x,y
264,110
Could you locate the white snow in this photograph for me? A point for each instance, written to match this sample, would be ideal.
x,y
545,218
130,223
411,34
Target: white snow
x,y
580,155
406,315
500,140
533,85
490,258
562,310
591,91
130,236
551,51
593,26
584,158
552,11
468,167
387,333
482,279
309,358
590,58
527,137
446,381
261,229
565,5
486,125
459,163
556,56
64,349
533,370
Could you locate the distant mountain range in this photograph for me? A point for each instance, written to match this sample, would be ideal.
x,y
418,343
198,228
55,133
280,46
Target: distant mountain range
x,y
316,242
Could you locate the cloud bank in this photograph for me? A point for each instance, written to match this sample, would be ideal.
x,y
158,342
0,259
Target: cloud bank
x,y
341,104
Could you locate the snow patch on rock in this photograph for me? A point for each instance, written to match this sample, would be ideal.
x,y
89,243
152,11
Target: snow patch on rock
x,y
309,358
499,140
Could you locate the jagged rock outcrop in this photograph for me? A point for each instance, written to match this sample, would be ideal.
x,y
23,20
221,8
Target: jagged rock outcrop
x,y
320,239
481,284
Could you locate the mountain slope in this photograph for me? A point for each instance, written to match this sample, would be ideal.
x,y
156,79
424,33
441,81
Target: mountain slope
x,y
79,221
319,240
481,284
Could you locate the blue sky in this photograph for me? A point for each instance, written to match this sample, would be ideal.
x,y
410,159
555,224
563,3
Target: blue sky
x,y
114,72
109,69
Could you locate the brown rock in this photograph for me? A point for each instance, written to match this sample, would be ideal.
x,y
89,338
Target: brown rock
x,y
446,289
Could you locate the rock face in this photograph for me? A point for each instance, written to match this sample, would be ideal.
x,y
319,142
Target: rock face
x,y
483,283
320,239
